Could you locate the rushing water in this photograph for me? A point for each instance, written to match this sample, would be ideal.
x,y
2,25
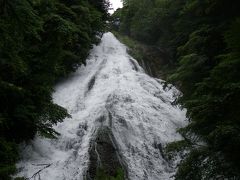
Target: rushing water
x,y
142,119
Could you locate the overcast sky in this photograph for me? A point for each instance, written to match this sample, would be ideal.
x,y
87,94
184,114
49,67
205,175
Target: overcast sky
x,y
115,4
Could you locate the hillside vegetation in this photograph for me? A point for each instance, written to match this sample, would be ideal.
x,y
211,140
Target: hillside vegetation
x,y
202,37
40,42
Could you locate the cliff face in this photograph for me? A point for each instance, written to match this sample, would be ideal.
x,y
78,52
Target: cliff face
x,y
105,158
154,60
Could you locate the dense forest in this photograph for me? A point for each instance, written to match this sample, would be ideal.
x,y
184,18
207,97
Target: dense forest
x,y
202,38
41,41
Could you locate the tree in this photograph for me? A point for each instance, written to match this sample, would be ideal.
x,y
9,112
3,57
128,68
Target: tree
x,y
202,38
41,41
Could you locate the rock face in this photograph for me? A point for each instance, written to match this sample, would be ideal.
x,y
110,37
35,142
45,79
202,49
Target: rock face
x,y
104,154
153,59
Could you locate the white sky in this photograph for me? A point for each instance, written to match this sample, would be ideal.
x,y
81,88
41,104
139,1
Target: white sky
x,y
115,4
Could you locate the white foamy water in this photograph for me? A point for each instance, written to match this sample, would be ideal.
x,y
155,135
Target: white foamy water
x,y
142,118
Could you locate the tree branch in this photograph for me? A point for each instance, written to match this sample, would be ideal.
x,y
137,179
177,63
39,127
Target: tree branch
x,y
38,172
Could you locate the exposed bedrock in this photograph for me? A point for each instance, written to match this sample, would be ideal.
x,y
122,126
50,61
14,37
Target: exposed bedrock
x,y
104,155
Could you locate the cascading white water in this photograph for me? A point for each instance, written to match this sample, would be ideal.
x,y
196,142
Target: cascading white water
x,y
142,119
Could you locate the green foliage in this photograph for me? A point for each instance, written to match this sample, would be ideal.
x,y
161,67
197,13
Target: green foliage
x,y
201,164
101,175
202,38
52,114
135,48
176,146
8,156
40,42
191,65
20,178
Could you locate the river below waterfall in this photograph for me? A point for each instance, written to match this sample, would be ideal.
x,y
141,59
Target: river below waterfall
x,y
121,117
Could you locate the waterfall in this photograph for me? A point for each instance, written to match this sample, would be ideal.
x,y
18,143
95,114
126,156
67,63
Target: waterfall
x,y
121,117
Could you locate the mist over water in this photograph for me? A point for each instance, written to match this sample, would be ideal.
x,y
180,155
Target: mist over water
x,y
136,108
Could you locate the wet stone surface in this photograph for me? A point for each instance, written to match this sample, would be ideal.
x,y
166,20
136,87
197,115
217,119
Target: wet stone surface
x,y
103,154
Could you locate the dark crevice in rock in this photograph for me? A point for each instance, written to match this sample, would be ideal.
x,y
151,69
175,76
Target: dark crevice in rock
x,y
101,119
110,118
134,65
159,146
91,83
104,154
93,79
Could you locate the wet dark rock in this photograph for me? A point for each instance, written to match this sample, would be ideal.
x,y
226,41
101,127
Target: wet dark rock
x,y
104,154
83,126
134,65
101,119
93,79
122,122
128,99
91,83
80,132
159,146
